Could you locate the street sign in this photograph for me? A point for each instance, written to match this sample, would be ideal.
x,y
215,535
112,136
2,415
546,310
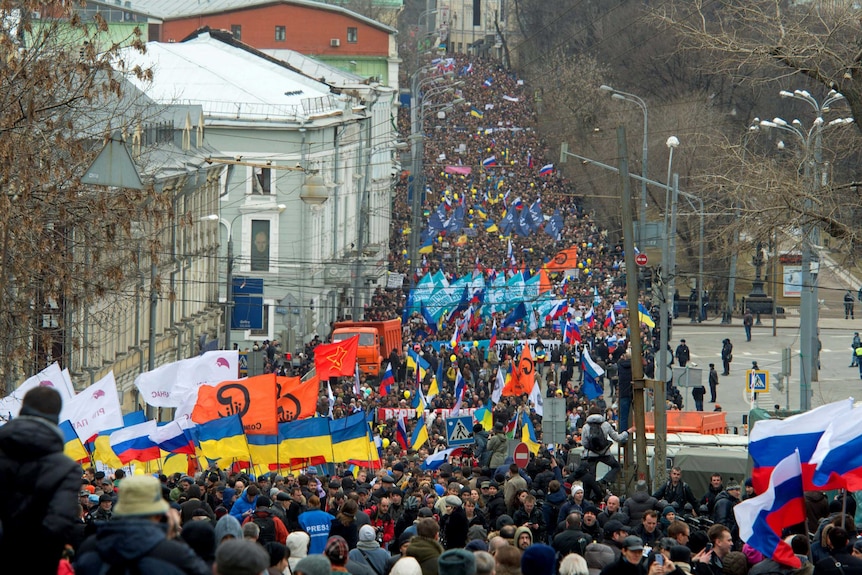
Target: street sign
x,y
554,420
641,259
757,381
459,430
521,456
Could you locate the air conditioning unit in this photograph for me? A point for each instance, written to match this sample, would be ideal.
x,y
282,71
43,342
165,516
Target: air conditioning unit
x,y
335,42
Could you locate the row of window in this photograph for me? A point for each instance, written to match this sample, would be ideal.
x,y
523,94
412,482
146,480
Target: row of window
x,y
281,33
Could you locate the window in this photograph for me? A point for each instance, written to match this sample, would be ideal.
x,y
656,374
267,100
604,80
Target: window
x,y
280,33
262,183
260,245
477,12
236,31
264,332
353,35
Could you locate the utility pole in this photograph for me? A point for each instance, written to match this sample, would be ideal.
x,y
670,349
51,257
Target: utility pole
x,y
638,402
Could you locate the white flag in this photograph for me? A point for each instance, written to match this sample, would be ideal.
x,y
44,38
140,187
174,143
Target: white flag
x,y
95,409
169,385
536,398
51,376
499,384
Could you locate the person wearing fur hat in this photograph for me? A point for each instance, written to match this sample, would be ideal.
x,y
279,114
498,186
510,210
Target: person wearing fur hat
x,y
41,503
136,536
406,566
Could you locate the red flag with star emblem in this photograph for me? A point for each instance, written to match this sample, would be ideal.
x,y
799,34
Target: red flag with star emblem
x,y
336,359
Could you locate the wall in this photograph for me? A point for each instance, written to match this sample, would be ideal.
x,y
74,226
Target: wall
x,y
308,30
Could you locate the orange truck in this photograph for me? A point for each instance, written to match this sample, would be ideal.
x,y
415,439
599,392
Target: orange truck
x,y
377,339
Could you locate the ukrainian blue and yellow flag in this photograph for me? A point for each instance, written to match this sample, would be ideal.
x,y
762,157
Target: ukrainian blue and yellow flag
x,y
414,359
420,435
484,416
72,445
305,439
263,449
476,112
350,438
528,436
645,317
222,439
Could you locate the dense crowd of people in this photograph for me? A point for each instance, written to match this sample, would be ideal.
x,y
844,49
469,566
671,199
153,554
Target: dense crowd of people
x,y
476,513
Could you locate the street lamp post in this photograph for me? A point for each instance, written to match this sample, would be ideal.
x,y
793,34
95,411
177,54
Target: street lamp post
x,y
812,146
642,209
667,267
417,149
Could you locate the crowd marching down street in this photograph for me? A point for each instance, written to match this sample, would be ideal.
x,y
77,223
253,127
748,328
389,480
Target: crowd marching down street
x,y
518,298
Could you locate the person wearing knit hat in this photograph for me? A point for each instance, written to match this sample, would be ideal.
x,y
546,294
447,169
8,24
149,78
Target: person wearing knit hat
x,y
476,545
368,551
312,565
336,551
456,562
454,523
240,557
227,528
538,558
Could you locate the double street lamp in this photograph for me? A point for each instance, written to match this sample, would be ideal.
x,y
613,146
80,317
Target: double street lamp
x,y
811,141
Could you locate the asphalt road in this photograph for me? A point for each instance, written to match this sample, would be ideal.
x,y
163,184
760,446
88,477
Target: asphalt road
x,y
836,379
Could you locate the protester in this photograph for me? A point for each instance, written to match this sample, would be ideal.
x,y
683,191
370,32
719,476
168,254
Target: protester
x,y
40,506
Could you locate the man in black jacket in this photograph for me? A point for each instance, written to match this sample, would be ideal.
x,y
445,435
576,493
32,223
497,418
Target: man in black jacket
x,y
676,492
572,539
39,484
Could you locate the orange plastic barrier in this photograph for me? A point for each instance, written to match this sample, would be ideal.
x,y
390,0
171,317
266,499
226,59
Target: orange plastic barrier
x,y
707,423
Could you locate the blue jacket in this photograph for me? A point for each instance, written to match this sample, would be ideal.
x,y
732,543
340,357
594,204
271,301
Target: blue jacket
x,y
317,524
241,505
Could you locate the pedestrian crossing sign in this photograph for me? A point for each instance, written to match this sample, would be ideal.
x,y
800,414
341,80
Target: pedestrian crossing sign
x,y
459,430
757,381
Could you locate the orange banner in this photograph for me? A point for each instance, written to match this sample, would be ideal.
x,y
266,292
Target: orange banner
x,y
336,359
523,375
296,399
253,398
564,260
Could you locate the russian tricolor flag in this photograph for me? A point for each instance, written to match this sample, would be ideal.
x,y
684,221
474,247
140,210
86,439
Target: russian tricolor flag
x,y
401,433
560,307
387,381
493,341
572,334
173,438
134,444
487,83
838,456
772,440
590,318
610,318
460,388
762,519
489,162
546,170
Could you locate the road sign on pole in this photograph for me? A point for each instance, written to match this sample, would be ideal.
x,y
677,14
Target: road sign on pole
x,y
757,381
521,457
459,430
641,259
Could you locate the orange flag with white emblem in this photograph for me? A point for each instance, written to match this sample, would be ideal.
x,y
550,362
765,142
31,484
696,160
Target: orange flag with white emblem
x,y
252,398
336,359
